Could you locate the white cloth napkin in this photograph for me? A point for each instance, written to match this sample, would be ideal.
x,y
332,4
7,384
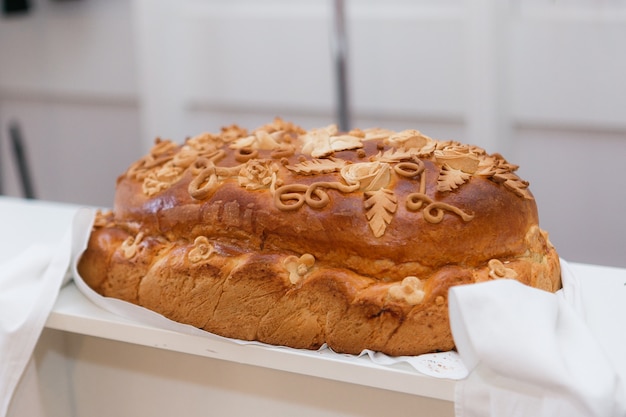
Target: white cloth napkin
x,y
534,353
29,285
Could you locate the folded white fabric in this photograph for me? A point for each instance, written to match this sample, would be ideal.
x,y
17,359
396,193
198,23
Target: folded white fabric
x,y
533,353
29,285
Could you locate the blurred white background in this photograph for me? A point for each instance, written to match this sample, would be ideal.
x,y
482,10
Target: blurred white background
x,y
93,82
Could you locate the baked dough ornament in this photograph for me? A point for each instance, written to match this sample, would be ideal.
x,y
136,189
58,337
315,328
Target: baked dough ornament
x,y
303,238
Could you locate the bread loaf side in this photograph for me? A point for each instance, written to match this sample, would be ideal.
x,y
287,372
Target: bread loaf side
x,y
300,238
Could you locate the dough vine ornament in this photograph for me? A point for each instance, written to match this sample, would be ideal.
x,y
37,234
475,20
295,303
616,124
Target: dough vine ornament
x,y
300,238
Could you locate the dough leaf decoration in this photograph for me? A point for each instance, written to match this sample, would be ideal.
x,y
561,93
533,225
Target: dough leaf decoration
x,y
487,167
512,182
395,155
380,205
318,166
320,143
451,178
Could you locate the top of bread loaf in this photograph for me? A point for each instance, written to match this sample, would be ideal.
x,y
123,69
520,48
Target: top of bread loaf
x,y
382,203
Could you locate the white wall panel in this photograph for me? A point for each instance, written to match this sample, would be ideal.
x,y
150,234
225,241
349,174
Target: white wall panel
x,y
69,48
257,56
402,59
575,176
408,60
567,98
244,59
75,150
569,68
68,76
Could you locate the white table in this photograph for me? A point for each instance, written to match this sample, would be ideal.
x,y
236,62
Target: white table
x,y
91,362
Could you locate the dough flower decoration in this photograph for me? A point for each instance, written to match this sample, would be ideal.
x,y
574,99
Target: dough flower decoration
x,y
130,246
269,139
376,133
167,162
298,267
260,139
409,139
204,143
162,178
201,251
410,290
231,133
497,270
160,153
370,176
103,218
258,174
185,157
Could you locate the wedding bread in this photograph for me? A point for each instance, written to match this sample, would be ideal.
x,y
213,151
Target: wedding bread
x,y
303,238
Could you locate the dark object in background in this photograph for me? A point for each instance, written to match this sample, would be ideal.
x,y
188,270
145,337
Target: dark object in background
x,y
12,7
340,50
19,153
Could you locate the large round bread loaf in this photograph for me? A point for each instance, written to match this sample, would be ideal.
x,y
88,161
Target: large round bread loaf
x,y
301,238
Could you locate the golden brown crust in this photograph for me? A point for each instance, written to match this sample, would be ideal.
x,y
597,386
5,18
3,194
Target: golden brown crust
x,y
302,238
